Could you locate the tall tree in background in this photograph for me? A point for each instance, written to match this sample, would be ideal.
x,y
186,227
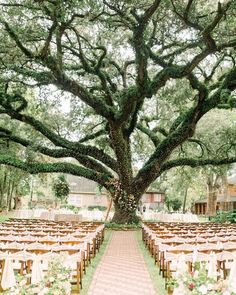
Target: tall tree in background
x,y
14,183
112,60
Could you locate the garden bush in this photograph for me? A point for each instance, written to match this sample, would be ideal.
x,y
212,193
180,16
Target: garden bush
x,y
116,226
223,216
100,208
72,208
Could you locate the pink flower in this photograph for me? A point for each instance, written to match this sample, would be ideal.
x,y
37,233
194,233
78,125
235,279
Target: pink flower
x,y
191,286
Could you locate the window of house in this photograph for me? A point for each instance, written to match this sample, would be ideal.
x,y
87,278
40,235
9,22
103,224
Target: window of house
x,y
157,198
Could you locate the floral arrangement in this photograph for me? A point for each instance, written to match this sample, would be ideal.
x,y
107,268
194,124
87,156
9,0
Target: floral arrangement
x,y
199,283
55,282
125,201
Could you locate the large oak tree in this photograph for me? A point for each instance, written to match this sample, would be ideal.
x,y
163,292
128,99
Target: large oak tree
x,y
114,60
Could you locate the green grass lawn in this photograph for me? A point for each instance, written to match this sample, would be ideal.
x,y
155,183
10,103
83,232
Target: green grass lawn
x,y
158,281
203,219
3,218
87,279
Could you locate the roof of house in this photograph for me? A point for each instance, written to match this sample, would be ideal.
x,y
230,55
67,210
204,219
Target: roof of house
x,y
81,184
231,199
219,199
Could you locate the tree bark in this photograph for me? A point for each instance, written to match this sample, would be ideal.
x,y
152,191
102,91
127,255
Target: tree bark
x,y
122,216
125,205
185,199
3,189
211,204
8,193
225,188
108,209
211,198
10,197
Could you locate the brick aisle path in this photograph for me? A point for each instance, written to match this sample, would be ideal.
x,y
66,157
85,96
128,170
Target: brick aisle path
x,y
122,270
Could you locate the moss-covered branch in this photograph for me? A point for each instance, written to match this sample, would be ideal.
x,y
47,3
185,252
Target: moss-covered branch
x,y
36,167
85,160
185,127
152,135
196,162
132,104
60,78
74,147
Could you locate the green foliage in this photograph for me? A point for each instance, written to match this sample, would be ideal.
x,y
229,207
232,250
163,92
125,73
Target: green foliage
x,y
182,182
72,208
14,183
98,207
175,204
56,278
32,205
222,217
117,226
61,188
3,218
198,282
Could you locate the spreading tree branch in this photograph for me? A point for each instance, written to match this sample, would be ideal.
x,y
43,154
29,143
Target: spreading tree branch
x,y
36,167
184,130
57,140
196,163
86,161
154,138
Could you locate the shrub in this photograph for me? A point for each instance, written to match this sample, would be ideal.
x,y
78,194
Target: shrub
x,y
222,216
175,204
72,208
101,208
113,225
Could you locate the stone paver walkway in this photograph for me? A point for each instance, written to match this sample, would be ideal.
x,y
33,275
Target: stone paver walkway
x,y
122,270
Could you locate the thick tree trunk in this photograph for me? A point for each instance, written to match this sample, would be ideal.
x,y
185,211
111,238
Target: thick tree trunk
x,y
123,216
125,206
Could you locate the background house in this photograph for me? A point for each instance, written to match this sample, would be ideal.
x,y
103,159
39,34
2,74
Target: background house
x,y
85,192
224,203
153,200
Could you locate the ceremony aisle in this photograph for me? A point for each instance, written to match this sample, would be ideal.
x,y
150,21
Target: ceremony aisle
x,y
122,270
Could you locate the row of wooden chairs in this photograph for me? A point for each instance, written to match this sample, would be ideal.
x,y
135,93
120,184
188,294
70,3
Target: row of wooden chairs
x,y
83,246
166,242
